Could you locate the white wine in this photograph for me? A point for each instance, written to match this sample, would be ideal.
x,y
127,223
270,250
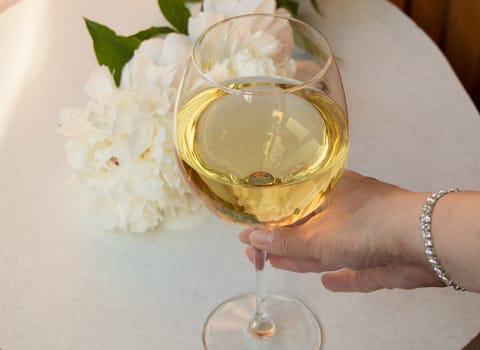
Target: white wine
x,y
262,156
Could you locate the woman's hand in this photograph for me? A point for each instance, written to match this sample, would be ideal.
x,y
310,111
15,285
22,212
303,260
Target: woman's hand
x,y
366,239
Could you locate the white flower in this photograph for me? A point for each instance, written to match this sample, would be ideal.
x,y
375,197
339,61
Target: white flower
x,y
120,144
100,85
262,54
243,64
251,48
216,10
230,8
157,62
201,21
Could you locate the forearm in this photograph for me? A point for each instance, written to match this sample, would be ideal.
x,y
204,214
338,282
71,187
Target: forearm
x,y
455,230
456,233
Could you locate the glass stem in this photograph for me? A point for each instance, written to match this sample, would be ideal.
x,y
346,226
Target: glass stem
x,y
261,325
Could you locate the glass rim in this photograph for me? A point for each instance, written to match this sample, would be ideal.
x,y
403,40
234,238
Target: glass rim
x,y
303,85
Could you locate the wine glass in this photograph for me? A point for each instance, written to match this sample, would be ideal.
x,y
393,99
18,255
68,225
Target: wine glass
x,y
261,134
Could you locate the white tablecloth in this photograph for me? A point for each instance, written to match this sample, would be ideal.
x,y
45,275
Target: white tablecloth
x,y
65,284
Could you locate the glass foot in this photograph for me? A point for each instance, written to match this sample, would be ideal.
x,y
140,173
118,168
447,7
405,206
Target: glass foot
x,y
295,326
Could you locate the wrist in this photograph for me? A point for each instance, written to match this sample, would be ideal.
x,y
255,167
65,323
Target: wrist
x,y
453,231
429,245
405,210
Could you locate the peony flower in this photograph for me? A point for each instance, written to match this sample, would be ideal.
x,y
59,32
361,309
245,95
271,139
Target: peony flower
x,y
157,62
217,10
120,144
201,21
250,49
230,8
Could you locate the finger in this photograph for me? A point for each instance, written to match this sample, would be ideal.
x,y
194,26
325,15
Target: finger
x,y
249,253
256,257
290,264
295,265
243,235
293,242
367,280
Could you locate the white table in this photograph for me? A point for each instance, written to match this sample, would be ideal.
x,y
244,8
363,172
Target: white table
x,y
66,285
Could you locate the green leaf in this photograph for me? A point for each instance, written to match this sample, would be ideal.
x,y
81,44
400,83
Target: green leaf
x,y
111,50
176,13
151,32
290,5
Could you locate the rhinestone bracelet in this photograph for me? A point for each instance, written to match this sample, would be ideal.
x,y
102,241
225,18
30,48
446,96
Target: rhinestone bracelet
x,y
426,228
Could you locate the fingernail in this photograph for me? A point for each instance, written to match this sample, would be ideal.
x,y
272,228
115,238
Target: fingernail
x,y
261,239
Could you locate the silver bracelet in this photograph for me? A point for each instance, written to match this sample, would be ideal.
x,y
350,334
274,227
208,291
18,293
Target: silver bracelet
x,y
426,228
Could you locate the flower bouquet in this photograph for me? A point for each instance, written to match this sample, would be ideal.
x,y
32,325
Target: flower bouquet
x,y
120,143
